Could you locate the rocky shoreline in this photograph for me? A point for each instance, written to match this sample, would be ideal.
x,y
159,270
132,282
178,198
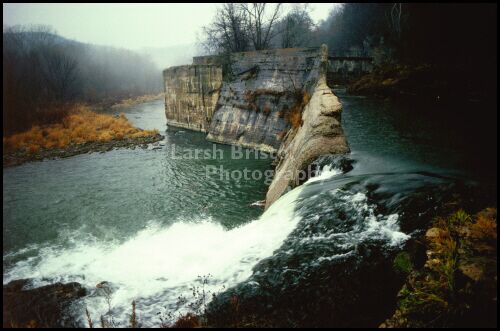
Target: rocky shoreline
x,y
42,307
456,285
431,296
20,157
422,82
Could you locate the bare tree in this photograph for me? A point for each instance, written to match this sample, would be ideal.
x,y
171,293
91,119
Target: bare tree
x,y
60,74
227,33
260,23
238,27
43,72
396,12
295,29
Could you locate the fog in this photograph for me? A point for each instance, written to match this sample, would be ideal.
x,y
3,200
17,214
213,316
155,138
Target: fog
x,y
167,32
55,55
59,54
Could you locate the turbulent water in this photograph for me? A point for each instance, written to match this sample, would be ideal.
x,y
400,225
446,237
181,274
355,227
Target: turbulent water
x,y
151,223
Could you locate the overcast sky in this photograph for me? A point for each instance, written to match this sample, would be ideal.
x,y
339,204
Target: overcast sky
x,y
133,26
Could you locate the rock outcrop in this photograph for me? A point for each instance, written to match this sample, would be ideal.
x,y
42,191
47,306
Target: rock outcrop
x,y
42,307
274,101
256,104
191,94
457,286
320,133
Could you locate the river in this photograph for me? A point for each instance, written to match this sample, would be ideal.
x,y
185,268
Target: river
x,y
151,221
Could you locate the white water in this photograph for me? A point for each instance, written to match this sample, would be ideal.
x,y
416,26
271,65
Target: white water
x,y
385,227
328,171
159,264
377,226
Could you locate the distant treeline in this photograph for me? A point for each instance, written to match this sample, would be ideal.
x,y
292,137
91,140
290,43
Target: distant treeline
x,y
440,33
456,42
43,73
443,33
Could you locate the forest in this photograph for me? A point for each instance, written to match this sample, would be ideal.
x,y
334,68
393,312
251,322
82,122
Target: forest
x,y
452,47
431,32
44,74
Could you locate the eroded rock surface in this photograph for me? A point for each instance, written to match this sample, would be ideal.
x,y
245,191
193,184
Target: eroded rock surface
x,y
191,94
41,307
255,106
274,101
320,133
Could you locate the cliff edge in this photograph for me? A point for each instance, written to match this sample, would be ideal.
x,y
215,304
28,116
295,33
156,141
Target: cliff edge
x,y
276,101
320,133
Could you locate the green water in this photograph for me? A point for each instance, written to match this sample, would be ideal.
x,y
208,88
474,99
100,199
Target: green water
x,y
115,194
151,221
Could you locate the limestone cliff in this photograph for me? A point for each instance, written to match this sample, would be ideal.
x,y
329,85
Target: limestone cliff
x,y
255,106
320,133
274,101
191,94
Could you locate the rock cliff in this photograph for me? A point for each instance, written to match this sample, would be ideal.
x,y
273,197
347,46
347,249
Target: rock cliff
x,y
256,105
320,133
274,101
191,93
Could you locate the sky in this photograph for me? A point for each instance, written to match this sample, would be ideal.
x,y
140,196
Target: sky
x,y
133,26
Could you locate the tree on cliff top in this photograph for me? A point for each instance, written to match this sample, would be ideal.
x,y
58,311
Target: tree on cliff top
x,y
227,32
261,19
295,29
241,27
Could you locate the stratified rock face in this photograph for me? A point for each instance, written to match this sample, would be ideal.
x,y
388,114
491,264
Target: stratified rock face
x,y
274,101
191,94
320,133
254,106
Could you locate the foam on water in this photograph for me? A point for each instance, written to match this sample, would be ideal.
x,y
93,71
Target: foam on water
x,y
158,264
377,226
328,171
162,263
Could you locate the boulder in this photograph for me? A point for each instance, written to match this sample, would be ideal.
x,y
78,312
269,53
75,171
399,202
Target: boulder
x,y
41,307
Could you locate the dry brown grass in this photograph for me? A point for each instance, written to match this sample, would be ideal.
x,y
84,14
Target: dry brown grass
x,y
485,226
80,126
134,324
461,258
137,100
187,321
294,116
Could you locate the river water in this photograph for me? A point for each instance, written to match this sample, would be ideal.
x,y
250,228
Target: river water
x,y
151,222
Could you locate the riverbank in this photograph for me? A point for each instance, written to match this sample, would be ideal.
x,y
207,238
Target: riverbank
x,y
364,210
82,131
137,100
450,282
423,81
456,286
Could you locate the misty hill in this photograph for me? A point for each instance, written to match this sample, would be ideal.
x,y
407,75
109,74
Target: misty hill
x,y
175,55
67,71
